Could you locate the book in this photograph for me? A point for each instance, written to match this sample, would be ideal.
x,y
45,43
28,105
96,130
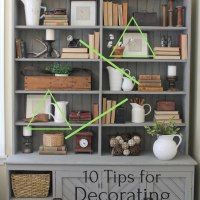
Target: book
x,y
150,81
55,20
108,106
96,43
95,112
112,120
167,57
75,55
162,117
45,148
91,43
166,49
153,84
149,77
166,112
23,49
110,13
49,17
41,152
120,17
150,89
125,13
167,53
178,121
75,50
56,23
184,46
105,13
18,48
115,14
104,109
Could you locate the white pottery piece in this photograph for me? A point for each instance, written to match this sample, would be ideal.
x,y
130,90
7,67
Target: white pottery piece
x,y
127,84
138,112
61,75
32,11
165,148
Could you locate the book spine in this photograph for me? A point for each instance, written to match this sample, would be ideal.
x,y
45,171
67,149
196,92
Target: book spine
x,y
105,13
108,116
95,112
184,46
96,43
150,89
91,43
149,77
115,14
113,113
125,13
104,109
110,14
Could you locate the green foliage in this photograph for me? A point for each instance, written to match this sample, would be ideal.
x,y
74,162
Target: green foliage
x,y
59,69
162,128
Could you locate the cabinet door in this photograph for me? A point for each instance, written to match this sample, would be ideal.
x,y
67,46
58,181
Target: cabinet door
x,y
126,189
71,185
177,184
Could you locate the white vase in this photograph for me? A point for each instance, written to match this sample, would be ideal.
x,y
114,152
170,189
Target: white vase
x,y
165,148
32,11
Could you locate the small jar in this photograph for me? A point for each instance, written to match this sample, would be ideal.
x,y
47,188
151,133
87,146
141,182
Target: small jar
x,y
27,145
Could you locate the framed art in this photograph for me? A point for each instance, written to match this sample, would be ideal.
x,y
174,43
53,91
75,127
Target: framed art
x,y
32,105
135,45
83,13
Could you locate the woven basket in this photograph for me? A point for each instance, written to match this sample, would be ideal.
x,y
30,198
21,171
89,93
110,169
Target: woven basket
x,y
30,185
53,140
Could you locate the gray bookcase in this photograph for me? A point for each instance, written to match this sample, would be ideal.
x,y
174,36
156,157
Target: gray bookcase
x,y
181,169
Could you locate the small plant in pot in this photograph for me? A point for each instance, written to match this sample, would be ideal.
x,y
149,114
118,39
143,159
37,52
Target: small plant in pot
x,y
165,148
59,70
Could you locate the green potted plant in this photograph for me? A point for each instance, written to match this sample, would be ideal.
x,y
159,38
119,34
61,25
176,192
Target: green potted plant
x,y
59,70
165,148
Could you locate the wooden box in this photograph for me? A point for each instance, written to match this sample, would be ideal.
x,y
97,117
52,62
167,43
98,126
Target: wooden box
x,y
57,83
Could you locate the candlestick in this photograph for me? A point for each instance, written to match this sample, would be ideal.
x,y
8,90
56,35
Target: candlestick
x,y
164,13
171,70
172,83
180,13
49,48
50,34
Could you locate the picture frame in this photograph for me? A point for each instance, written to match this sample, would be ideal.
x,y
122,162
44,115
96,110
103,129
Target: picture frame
x,y
32,102
83,13
135,45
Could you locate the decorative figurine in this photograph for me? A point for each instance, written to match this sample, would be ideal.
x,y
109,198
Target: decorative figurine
x,y
164,13
170,15
28,144
169,41
180,14
164,42
73,43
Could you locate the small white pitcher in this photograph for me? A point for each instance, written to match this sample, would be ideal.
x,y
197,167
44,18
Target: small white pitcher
x,y
127,84
59,117
138,112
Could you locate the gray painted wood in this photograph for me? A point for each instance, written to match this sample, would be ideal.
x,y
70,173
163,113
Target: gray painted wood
x,y
178,174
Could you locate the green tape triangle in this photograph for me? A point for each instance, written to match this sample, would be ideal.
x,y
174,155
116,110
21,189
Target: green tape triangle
x,y
143,37
38,108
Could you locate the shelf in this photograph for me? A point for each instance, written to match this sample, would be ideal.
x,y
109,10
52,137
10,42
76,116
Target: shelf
x,y
129,124
96,160
50,124
57,92
144,93
146,60
146,28
54,60
24,27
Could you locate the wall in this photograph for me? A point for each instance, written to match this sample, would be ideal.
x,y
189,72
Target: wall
x,y
195,93
195,114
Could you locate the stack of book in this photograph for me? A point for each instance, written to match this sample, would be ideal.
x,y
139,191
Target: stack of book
x,y
56,20
80,116
166,116
80,53
20,48
166,53
43,150
115,14
151,83
110,117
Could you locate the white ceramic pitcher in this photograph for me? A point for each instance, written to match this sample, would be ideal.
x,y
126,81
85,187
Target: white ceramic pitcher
x,y
59,117
165,148
138,112
32,11
115,78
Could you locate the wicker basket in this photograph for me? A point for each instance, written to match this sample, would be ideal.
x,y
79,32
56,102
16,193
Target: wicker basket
x,y
53,140
30,185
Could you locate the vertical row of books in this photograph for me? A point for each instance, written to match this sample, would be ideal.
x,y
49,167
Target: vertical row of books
x,y
20,48
115,14
110,117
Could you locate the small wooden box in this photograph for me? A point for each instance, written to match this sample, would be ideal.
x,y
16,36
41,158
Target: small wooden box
x,y
57,83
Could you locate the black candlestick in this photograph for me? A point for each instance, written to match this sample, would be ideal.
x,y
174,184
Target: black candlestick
x,y
49,48
172,82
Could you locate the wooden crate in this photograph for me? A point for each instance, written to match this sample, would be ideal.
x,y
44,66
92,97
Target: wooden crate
x,y
57,83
